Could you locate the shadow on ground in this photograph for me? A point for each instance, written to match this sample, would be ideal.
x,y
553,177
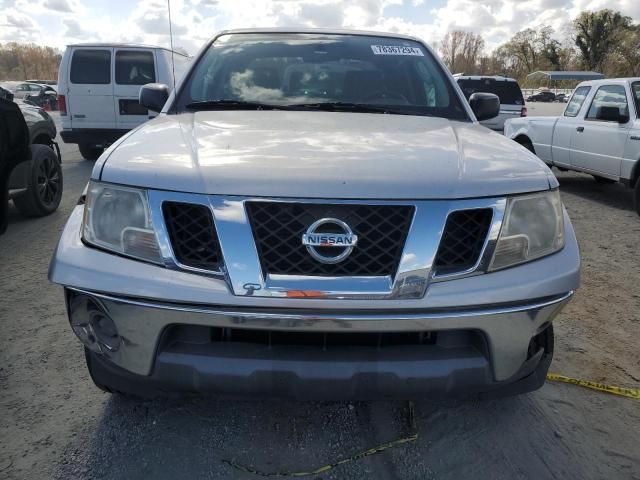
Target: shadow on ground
x,y
162,439
613,195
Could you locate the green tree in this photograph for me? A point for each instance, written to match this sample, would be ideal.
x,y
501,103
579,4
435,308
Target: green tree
x,y
599,35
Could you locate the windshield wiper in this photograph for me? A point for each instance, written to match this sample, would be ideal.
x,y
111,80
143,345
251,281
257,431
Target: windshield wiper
x,y
349,107
233,105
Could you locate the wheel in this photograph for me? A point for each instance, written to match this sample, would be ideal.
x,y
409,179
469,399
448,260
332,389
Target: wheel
x,y
526,144
602,180
44,191
636,197
90,152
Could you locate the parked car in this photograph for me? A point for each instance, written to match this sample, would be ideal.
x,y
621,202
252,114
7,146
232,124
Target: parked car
x,y
98,86
10,85
24,89
562,97
41,96
35,186
14,149
317,215
542,96
51,83
507,89
5,93
599,133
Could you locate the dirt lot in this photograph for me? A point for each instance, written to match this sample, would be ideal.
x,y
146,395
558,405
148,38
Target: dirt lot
x,y
55,424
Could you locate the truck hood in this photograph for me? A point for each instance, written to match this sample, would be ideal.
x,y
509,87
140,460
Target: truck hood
x,y
321,155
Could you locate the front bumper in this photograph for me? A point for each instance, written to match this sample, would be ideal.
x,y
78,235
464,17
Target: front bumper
x,y
507,309
475,351
98,136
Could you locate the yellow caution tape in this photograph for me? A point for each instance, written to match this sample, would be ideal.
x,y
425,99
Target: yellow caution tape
x,y
371,451
554,377
623,392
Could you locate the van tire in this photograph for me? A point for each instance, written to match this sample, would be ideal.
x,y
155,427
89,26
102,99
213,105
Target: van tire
x,y
44,190
636,197
90,152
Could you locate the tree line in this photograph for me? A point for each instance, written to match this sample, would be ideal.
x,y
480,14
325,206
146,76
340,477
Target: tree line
x,y
604,41
19,61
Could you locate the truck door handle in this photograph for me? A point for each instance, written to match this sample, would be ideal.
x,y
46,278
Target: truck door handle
x,y
580,129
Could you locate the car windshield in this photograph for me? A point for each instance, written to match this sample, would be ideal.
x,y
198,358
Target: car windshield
x,y
389,75
508,91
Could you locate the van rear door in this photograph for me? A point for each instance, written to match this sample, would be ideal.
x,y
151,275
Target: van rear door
x,y
134,67
90,89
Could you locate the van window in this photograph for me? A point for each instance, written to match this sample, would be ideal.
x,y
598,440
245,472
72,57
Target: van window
x,y
509,92
91,67
134,67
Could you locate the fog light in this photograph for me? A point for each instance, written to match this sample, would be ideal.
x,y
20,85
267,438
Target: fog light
x,y
93,326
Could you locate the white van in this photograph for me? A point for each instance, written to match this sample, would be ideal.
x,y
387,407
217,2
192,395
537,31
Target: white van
x,y
98,86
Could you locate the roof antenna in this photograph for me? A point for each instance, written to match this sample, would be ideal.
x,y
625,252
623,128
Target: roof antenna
x,y
173,65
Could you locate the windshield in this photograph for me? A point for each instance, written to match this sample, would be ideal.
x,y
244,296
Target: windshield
x,y
509,92
298,69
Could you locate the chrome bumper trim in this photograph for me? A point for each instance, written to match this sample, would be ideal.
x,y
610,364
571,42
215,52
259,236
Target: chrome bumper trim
x,y
507,329
313,317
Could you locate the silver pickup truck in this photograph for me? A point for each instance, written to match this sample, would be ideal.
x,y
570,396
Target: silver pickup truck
x,y
317,214
598,133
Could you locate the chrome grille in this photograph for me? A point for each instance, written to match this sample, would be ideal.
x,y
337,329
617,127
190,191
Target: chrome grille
x,y
462,240
278,228
193,235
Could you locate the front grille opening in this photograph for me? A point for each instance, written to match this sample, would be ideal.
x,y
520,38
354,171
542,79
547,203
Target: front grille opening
x,y
462,240
273,338
278,228
193,235
541,341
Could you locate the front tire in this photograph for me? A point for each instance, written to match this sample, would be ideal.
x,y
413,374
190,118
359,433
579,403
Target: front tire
x,y
636,197
90,152
44,191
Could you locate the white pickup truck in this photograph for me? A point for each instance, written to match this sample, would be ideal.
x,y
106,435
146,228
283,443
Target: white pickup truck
x,y
599,133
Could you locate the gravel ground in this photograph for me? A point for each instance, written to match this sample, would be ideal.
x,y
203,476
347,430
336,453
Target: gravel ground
x,y
55,424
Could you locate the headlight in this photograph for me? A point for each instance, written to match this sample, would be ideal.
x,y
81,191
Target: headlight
x,y
117,218
533,227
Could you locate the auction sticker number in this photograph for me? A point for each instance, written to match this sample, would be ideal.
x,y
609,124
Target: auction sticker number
x,y
394,50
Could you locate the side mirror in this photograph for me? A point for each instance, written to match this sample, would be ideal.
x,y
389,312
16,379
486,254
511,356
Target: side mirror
x,y
484,105
610,113
154,96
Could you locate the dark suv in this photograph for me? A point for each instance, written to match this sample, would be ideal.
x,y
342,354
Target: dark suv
x,y
542,96
34,184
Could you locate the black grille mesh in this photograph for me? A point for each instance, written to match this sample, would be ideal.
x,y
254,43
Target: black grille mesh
x,y
278,229
193,235
462,241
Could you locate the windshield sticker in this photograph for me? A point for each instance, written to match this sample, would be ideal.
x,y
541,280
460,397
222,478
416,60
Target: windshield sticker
x,y
395,50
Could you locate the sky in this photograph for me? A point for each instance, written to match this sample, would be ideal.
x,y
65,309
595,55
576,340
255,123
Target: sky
x,y
57,23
